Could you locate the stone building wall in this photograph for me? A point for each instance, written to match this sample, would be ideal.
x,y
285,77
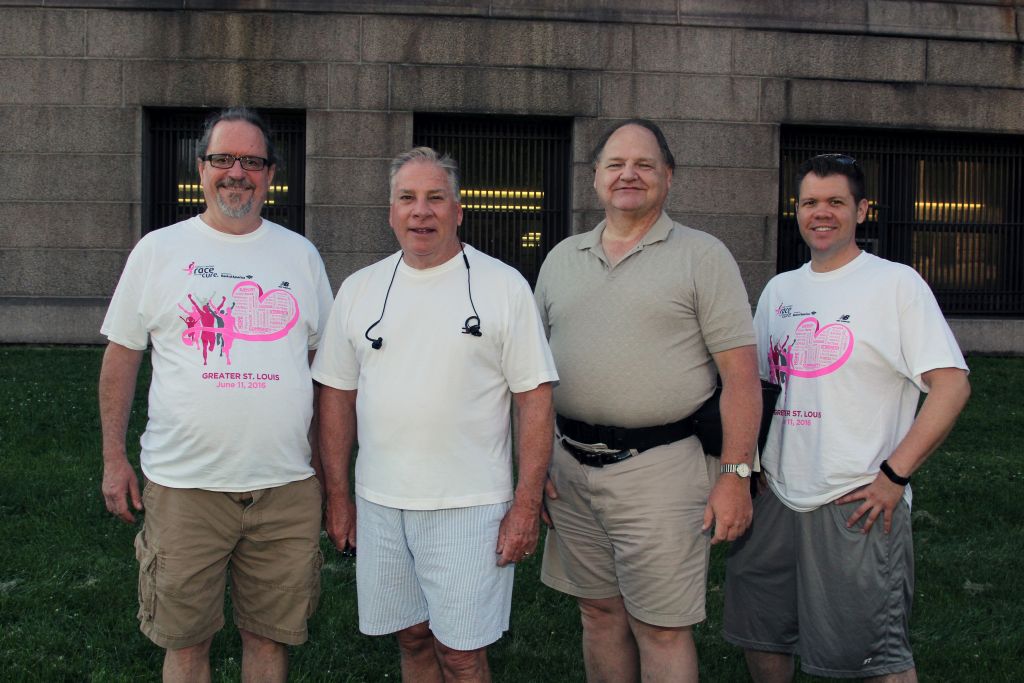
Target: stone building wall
x,y
719,75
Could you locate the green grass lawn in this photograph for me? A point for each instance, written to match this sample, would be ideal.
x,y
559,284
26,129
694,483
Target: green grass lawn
x,y
68,572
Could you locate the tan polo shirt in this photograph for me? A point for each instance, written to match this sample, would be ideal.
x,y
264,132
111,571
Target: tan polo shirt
x,y
633,342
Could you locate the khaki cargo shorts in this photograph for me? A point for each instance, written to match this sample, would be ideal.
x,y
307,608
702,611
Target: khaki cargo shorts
x,y
267,541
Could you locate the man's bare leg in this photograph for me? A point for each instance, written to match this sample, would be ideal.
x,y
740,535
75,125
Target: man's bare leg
x,y
666,653
419,659
610,652
463,666
769,667
188,664
263,660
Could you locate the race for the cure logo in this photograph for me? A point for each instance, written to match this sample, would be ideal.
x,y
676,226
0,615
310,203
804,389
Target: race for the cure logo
x,y
200,271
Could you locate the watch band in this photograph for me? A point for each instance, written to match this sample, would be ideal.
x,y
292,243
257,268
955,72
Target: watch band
x,y
893,477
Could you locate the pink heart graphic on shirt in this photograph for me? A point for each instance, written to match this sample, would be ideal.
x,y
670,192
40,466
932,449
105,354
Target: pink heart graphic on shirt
x,y
262,317
818,351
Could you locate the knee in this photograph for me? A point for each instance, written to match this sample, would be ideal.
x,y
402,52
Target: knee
x,y
462,664
254,642
650,636
415,639
603,614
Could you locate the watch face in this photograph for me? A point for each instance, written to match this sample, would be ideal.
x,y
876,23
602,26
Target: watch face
x,y
743,469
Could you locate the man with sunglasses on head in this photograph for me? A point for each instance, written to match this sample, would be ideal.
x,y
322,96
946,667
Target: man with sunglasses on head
x,y
233,306
826,570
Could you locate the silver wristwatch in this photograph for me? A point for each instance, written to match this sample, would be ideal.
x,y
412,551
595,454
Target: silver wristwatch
x,y
741,470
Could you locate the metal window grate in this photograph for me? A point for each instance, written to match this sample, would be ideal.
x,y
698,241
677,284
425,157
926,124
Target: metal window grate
x,y
171,181
515,182
949,205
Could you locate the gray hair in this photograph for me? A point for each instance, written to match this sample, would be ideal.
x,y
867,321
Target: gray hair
x,y
237,114
418,154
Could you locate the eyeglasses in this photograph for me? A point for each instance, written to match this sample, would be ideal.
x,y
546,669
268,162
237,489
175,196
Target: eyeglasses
x,y
228,160
844,159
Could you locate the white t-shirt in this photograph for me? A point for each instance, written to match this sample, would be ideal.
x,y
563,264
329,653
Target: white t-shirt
x,y
849,348
231,319
433,404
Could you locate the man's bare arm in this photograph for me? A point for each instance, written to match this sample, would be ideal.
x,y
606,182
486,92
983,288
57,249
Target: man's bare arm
x,y
337,429
517,535
118,375
729,506
948,391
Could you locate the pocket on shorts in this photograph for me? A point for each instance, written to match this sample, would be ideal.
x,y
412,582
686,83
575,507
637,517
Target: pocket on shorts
x,y
314,588
147,577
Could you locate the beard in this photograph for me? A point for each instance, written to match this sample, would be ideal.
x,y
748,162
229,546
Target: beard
x,y
238,211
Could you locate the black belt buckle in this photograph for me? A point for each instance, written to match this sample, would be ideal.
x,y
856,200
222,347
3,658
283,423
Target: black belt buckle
x,y
595,459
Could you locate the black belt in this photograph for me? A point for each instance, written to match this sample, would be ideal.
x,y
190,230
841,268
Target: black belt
x,y
623,439
595,459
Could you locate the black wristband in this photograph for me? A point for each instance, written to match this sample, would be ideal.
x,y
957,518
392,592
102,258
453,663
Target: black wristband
x,y
893,477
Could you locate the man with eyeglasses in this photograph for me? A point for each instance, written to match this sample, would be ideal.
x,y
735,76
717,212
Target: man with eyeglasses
x,y
826,570
233,306
642,314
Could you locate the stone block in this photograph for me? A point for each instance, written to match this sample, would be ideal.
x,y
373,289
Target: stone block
x,y
649,11
357,134
664,96
999,65
695,143
584,198
895,105
60,272
827,15
347,182
749,238
359,86
42,33
472,42
276,36
60,81
756,275
42,320
817,55
82,225
507,91
996,337
962,20
340,265
724,190
350,229
215,84
70,129
456,7
684,49
69,177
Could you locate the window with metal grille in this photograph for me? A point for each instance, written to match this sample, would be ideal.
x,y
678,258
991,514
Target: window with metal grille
x,y
171,189
948,204
515,182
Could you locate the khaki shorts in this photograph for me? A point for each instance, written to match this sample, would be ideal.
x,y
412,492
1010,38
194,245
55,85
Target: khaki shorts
x,y
802,583
633,529
267,540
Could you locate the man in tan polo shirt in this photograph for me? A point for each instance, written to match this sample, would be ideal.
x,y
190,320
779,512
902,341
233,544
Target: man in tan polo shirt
x,y
642,313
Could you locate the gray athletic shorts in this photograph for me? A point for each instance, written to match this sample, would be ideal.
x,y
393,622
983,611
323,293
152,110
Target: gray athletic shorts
x,y
802,583
436,566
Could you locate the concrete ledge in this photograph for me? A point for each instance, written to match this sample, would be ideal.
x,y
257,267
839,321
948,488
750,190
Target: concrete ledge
x,y
38,33
72,273
205,35
60,81
80,225
893,105
996,337
70,129
41,320
491,42
672,96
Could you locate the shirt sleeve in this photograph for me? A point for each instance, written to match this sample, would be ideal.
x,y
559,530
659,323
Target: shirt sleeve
x,y
723,309
525,357
125,322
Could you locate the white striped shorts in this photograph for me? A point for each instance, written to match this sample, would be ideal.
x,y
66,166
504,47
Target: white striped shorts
x,y
436,566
